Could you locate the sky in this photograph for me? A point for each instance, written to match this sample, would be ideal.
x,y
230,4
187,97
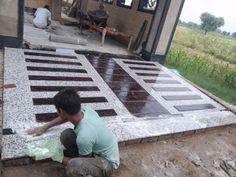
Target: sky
x,y
193,9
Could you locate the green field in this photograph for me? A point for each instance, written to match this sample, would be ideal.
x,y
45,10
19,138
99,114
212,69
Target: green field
x,y
214,44
207,60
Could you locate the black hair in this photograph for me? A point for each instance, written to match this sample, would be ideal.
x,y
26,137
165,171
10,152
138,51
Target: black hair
x,y
68,100
46,7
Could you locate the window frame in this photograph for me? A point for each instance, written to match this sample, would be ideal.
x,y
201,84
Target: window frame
x,y
146,10
124,6
111,3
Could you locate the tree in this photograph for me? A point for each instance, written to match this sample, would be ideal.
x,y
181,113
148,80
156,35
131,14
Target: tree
x,y
225,33
210,22
234,34
192,24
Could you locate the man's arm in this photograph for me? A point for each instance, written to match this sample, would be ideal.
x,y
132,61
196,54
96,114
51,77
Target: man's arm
x,y
49,23
40,130
49,18
104,17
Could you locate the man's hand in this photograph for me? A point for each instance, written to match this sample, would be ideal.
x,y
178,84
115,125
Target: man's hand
x,y
103,17
37,131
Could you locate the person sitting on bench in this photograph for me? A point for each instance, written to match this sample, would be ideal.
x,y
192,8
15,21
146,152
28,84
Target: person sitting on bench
x,y
99,17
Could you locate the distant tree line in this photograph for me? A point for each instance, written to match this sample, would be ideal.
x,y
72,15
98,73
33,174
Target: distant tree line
x,y
234,34
209,23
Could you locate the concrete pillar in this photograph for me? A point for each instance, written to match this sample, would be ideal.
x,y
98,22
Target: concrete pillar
x,y
162,29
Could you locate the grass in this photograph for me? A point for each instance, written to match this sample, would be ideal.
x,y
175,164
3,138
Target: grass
x,y
214,44
220,90
219,78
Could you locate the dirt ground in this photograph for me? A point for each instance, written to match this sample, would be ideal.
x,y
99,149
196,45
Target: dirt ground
x,y
190,156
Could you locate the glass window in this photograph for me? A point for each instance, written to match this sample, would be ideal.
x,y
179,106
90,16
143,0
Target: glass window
x,y
124,3
147,5
108,1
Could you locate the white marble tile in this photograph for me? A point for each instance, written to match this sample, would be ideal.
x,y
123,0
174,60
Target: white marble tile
x,y
158,94
51,58
61,83
52,94
66,74
167,85
47,52
19,112
46,65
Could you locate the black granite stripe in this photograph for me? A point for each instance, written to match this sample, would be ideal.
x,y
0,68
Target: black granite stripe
x,y
33,68
59,78
161,81
143,68
125,87
44,49
194,107
104,66
58,88
93,54
171,89
46,117
106,112
149,107
138,63
102,62
111,71
125,83
181,97
153,74
52,62
134,96
49,101
49,55
124,78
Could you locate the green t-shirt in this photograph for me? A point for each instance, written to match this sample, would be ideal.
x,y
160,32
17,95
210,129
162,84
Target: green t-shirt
x,y
93,135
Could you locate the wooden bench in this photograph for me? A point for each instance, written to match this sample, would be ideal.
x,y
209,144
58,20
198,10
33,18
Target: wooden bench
x,y
107,31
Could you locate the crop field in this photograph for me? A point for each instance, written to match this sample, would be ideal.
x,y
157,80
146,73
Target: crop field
x,y
219,46
207,60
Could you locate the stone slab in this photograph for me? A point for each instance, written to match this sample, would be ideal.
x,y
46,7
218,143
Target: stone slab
x,y
23,105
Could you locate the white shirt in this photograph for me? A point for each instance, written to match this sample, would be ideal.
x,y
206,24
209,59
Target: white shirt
x,y
42,16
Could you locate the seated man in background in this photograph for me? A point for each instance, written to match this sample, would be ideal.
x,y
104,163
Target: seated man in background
x,y
42,17
99,17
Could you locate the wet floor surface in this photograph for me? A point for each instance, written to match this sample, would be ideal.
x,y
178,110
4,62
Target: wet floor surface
x,y
132,95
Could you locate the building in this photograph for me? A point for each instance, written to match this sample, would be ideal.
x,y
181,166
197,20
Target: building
x,y
127,16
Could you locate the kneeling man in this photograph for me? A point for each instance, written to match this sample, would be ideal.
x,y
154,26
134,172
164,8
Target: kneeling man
x,y
91,147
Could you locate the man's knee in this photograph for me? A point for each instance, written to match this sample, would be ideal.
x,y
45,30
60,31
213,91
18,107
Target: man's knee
x,y
74,168
67,136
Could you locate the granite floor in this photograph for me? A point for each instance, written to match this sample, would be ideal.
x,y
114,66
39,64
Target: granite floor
x,y
138,99
1,90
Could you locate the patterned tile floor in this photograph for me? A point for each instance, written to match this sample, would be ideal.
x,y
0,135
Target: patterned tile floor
x,y
1,82
138,99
